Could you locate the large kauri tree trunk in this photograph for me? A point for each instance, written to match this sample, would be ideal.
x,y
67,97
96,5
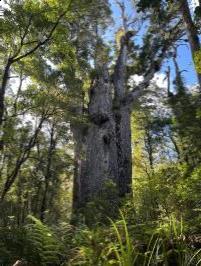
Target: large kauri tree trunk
x,y
123,136
123,119
95,150
103,148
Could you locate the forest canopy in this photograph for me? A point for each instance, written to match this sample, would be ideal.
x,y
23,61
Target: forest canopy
x,y
100,132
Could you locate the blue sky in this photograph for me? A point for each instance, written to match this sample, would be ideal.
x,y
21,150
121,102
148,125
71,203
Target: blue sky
x,y
186,63
184,54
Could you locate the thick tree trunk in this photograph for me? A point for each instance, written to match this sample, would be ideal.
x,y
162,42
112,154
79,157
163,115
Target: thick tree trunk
x,y
191,31
123,136
96,164
103,150
106,144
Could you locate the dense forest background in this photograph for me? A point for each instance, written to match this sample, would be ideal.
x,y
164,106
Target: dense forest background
x,y
100,132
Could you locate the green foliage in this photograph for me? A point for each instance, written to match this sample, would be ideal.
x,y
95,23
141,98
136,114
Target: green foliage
x,y
90,246
124,249
120,244
12,243
43,248
155,226
104,205
145,4
35,243
197,60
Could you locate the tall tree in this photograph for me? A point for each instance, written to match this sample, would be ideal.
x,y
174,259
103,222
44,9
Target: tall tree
x,y
23,34
107,137
181,8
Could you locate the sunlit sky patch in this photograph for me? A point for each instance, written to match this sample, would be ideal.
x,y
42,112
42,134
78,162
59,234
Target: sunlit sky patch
x,y
184,54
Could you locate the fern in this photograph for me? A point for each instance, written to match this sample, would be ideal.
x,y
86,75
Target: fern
x,y
43,247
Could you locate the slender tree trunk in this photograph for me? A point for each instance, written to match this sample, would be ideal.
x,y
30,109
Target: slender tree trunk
x,y
48,174
20,161
44,200
80,131
176,147
191,31
79,134
3,89
149,147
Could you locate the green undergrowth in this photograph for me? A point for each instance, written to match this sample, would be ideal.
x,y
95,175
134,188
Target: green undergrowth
x,y
167,241
162,243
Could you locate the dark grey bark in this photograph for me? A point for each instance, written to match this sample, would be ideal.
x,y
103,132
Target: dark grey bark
x,y
95,145
123,138
103,147
101,152
122,112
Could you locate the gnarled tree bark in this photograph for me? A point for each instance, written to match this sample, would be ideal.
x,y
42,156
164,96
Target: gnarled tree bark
x,y
103,148
95,145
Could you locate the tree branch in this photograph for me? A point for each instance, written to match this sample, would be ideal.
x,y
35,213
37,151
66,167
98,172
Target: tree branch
x,y
41,43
